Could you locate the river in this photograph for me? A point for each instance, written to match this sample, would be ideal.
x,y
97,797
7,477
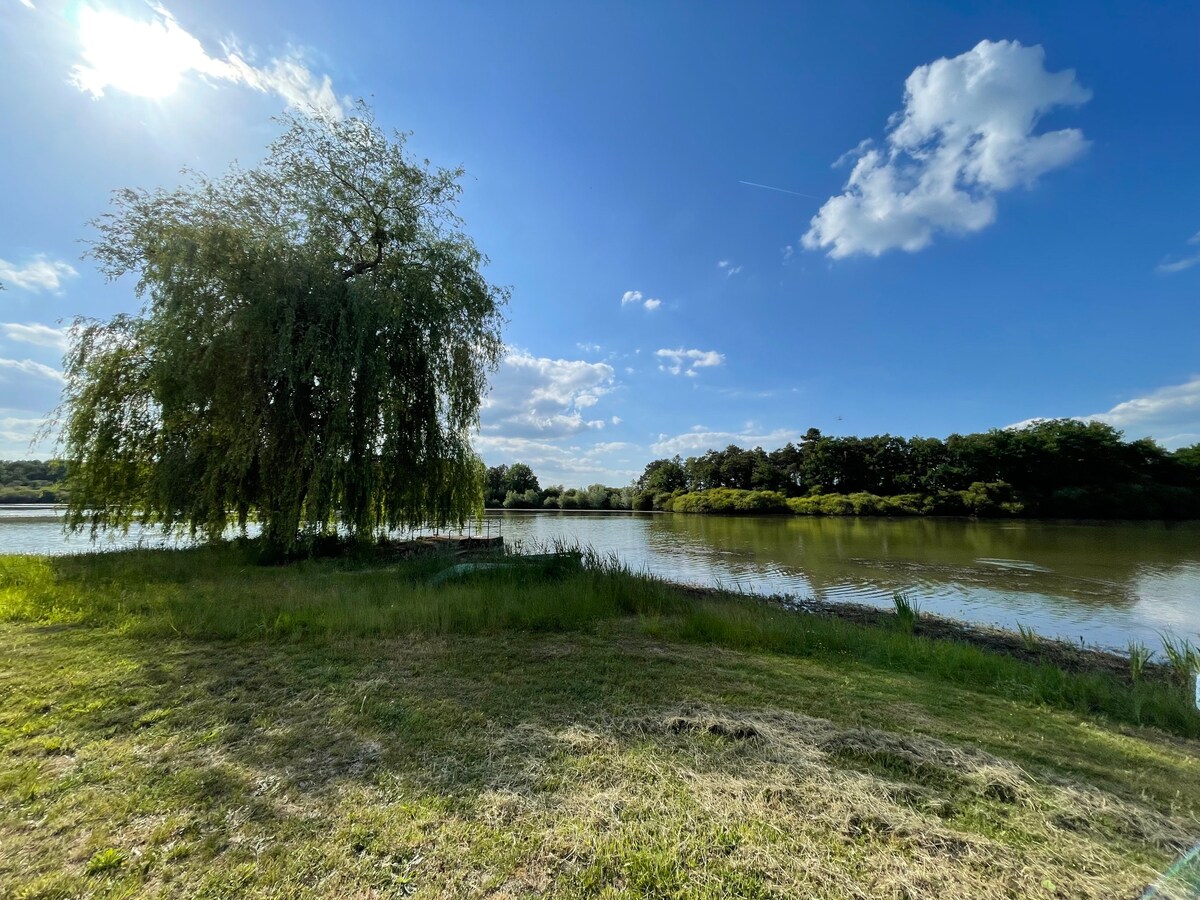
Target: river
x,y
1105,583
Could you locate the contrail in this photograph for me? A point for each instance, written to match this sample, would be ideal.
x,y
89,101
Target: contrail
x,y
781,190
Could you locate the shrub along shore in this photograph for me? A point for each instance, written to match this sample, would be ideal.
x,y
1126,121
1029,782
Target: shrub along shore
x,y
188,723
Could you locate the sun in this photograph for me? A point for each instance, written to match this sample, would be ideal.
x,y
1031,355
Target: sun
x,y
144,58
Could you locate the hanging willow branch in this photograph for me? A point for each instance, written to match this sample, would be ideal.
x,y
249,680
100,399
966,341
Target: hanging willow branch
x,y
313,348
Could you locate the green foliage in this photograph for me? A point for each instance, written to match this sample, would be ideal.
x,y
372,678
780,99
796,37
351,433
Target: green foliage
x,y
107,860
520,478
908,611
1029,638
662,476
860,504
1052,468
314,345
1139,656
1183,656
32,481
1059,467
728,501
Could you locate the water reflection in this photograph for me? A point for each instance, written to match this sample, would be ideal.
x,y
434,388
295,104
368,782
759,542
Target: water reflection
x,y
1107,582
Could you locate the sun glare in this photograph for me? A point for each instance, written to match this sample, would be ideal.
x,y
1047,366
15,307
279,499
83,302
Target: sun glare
x,y
145,58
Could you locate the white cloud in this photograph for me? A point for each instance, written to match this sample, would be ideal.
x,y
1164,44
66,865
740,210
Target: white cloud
x,y
788,252
730,268
38,335
1182,263
700,440
29,391
1168,410
965,134
686,362
29,367
28,4
573,465
149,58
636,297
17,434
38,274
545,398
1170,415
616,420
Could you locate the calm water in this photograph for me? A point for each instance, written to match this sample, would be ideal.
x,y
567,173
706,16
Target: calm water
x,y
1108,583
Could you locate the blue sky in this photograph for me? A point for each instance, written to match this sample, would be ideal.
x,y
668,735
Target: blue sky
x,y
720,222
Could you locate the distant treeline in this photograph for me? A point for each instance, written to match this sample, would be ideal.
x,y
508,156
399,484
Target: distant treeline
x,y
1055,468
32,481
516,487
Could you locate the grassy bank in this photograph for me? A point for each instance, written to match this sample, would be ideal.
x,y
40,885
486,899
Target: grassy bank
x,y
185,723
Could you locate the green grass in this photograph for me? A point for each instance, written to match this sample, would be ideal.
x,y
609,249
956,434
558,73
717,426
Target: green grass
x,y
189,724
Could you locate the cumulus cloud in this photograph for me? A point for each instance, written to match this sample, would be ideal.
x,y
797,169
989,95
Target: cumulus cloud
x,y
1185,262
38,335
607,462
38,274
1162,414
701,440
686,362
149,58
965,134
1170,415
637,298
547,398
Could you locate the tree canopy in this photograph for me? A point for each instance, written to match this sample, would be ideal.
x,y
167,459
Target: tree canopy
x,y
313,347
1058,467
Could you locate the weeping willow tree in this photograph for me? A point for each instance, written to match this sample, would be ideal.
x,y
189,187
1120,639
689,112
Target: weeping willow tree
x,y
312,349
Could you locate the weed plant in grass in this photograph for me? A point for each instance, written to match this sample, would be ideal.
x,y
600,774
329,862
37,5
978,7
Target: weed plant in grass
x,y
908,612
1139,658
1183,656
1031,639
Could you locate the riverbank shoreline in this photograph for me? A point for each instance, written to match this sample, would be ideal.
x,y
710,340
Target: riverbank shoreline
x,y
1030,647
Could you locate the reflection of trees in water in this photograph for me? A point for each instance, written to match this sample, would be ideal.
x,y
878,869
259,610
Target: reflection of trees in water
x,y
1092,563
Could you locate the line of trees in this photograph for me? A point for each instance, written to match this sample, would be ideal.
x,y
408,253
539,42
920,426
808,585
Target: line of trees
x,y
516,487
32,481
1053,468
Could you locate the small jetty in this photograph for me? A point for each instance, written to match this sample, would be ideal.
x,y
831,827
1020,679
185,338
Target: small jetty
x,y
462,544
483,538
